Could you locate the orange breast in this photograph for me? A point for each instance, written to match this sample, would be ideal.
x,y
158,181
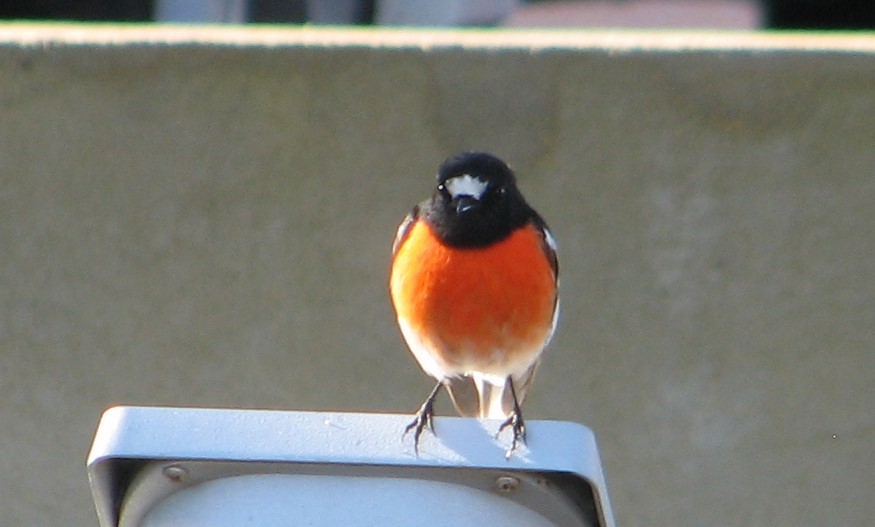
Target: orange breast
x,y
479,309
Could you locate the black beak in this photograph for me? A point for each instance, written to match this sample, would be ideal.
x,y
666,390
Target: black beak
x,y
466,203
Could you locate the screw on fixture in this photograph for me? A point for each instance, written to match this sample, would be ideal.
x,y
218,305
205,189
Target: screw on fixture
x,y
507,483
175,473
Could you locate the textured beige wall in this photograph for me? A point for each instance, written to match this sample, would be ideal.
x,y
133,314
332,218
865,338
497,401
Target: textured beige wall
x,y
204,218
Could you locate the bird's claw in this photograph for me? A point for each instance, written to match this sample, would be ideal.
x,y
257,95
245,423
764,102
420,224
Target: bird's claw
x,y
424,418
516,423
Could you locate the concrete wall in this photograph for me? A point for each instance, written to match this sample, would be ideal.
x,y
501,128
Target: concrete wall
x,y
204,217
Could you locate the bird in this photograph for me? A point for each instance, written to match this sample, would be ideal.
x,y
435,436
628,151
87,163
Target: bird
x,y
474,283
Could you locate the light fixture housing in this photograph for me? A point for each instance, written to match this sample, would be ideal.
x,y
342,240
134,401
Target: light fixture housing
x,y
154,466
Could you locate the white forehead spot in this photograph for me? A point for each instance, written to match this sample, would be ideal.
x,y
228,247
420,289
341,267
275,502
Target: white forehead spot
x,y
465,185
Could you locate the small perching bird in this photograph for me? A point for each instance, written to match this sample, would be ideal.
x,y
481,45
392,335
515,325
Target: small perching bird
x,y
474,283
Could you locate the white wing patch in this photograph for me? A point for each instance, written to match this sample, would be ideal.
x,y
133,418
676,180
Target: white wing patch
x,y
551,241
465,185
402,231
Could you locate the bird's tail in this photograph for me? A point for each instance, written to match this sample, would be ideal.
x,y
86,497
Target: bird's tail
x,y
478,396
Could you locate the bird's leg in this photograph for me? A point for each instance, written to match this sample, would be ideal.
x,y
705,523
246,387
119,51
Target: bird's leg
x,y
424,417
515,421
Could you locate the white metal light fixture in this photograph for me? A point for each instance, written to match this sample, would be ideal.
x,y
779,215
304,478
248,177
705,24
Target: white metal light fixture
x,y
157,467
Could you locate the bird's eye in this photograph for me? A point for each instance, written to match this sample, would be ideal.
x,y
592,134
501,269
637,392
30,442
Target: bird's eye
x,y
441,187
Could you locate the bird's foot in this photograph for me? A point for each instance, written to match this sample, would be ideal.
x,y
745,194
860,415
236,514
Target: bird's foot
x,y
516,423
424,418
